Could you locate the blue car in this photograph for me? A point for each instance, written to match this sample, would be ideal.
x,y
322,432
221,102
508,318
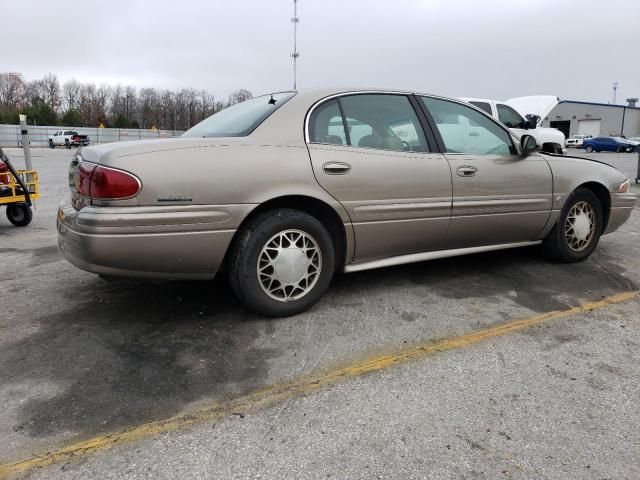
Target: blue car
x,y
608,144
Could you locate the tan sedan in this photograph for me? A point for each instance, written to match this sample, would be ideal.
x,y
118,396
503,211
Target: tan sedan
x,y
283,190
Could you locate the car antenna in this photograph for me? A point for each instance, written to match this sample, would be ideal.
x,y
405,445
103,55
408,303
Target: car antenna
x,y
272,101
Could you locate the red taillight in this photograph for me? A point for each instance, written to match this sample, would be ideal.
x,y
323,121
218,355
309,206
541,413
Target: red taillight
x,y
96,181
111,183
83,178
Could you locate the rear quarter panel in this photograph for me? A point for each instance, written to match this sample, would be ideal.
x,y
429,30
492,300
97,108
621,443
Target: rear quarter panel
x,y
207,172
233,177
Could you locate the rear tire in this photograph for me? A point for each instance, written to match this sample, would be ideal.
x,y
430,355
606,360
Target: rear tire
x,y
19,214
281,262
576,234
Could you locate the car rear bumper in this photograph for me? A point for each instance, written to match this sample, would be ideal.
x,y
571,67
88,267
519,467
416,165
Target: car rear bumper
x,y
152,242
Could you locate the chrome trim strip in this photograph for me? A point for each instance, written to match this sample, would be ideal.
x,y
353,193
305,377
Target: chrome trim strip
x,y
498,203
124,220
421,257
382,208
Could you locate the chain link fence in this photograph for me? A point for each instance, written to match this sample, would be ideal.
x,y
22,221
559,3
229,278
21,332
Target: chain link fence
x,y
39,135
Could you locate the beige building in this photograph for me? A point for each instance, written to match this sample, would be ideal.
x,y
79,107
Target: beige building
x,y
597,119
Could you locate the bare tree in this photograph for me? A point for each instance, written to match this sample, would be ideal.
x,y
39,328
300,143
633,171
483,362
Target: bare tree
x,y
239,96
91,105
10,93
52,93
149,105
130,101
71,94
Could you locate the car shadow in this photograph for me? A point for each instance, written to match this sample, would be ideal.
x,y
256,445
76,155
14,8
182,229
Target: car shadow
x,y
135,351
524,274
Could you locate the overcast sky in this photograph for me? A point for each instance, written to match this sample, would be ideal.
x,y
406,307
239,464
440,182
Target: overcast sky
x,y
492,48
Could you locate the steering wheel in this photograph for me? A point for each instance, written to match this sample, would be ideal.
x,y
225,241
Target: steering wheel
x,y
406,146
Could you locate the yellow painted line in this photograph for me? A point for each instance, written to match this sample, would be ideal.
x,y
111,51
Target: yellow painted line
x,y
294,388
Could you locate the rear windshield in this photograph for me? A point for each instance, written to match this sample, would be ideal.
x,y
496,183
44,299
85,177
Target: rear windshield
x,y
240,119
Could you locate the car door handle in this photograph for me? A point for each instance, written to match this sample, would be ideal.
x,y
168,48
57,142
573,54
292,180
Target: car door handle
x,y
466,171
336,168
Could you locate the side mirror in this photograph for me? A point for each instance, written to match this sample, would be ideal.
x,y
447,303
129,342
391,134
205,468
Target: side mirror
x,y
528,145
532,121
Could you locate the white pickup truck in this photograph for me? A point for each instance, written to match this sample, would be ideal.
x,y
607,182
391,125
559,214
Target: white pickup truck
x,y
576,140
551,139
68,138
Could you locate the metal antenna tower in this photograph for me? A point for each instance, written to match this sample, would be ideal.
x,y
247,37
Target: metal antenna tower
x,y
295,53
615,90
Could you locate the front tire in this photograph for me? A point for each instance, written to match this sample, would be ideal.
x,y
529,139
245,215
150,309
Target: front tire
x,y
588,148
67,144
19,214
51,144
576,234
281,263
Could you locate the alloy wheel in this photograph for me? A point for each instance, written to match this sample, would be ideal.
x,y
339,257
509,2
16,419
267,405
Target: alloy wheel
x,y
289,265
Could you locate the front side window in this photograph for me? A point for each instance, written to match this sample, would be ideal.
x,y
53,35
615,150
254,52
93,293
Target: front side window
x,y
483,106
509,116
465,130
241,119
326,125
383,121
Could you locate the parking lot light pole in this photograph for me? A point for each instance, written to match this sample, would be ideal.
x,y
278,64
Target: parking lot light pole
x,y
26,146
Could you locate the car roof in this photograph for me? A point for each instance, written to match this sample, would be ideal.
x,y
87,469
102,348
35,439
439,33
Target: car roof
x,y
283,124
486,100
314,95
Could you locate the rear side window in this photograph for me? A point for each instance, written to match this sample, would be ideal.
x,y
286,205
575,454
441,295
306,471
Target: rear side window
x,y
483,106
379,121
326,125
465,130
384,122
68,132
240,119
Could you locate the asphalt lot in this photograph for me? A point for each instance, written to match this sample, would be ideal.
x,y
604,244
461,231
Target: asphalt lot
x,y
81,357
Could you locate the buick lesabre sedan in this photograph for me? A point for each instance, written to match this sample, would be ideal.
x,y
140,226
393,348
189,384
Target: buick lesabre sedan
x,y
282,191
